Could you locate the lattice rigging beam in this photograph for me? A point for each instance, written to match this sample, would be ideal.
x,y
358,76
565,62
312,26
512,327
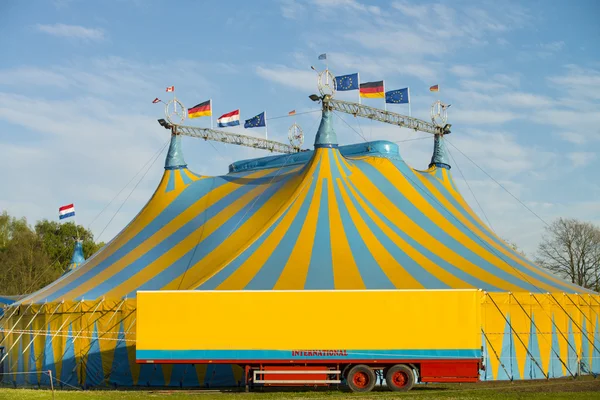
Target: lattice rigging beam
x,y
228,137
359,110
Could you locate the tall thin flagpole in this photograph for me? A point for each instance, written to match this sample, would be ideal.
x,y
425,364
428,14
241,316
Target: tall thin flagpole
x,y
409,113
211,114
266,128
358,87
384,102
76,228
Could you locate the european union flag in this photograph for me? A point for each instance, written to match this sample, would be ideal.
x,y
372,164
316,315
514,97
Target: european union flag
x,y
346,82
399,96
255,122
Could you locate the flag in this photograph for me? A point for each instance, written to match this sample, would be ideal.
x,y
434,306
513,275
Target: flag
x,y
66,211
293,112
373,90
156,100
200,110
171,89
346,82
434,88
256,121
399,96
323,56
229,119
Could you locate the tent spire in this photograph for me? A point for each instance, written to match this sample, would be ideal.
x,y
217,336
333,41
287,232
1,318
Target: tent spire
x,y
175,155
326,136
439,158
78,257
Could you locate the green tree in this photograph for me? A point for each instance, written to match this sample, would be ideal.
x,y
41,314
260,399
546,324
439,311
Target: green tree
x,y
31,258
59,239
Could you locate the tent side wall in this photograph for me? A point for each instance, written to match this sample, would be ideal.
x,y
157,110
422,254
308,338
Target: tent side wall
x,y
537,336
88,344
92,343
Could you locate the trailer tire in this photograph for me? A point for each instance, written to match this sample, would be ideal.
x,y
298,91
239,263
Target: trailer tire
x,y
361,378
400,378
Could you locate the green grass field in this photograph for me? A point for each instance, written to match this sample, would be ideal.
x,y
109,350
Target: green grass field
x,y
580,389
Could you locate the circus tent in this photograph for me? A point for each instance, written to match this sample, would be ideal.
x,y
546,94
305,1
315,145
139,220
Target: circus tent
x,y
336,217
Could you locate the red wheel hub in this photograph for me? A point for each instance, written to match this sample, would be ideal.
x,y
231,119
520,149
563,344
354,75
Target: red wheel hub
x,y
360,379
399,379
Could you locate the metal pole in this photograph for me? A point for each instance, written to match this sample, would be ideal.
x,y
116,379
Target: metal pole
x,y
409,113
358,87
51,383
211,114
266,129
384,102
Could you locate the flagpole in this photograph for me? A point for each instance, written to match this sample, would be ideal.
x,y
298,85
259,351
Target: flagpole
x,y
211,114
409,114
266,128
358,87
384,102
76,228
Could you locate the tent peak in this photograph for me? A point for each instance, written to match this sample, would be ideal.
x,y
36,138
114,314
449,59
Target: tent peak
x,y
326,136
439,158
78,258
175,154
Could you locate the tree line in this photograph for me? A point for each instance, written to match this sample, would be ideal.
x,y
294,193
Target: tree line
x,y
32,257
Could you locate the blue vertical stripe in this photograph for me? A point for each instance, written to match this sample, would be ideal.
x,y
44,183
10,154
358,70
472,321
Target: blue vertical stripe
x,y
320,269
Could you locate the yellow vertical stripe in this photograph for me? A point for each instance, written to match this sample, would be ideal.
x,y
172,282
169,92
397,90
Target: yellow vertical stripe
x,y
399,277
245,272
293,276
345,270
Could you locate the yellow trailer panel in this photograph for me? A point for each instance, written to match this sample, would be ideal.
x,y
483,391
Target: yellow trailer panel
x,y
172,326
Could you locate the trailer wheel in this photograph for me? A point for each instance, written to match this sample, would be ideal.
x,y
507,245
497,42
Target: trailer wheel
x,y
361,378
399,378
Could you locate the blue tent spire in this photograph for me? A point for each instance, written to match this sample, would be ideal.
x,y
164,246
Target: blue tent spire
x,y
78,257
175,155
439,158
326,136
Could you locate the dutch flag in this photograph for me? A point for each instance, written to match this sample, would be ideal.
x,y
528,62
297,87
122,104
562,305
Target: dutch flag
x,y
229,119
66,211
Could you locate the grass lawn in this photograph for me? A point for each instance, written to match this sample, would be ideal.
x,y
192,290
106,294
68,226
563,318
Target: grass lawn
x,y
585,388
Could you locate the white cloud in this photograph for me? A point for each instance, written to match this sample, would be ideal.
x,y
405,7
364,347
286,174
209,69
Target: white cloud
x,y
482,116
27,76
72,31
465,71
291,9
553,46
579,82
581,159
572,137
346,4
484,86
291,77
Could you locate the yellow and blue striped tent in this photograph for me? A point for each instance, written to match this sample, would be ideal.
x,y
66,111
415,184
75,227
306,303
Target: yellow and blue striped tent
x,y
337,217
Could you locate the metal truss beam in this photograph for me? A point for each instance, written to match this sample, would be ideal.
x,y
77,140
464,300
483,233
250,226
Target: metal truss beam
x,y
388,117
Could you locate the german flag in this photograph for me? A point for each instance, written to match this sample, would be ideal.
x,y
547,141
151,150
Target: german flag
x,y
372,90
200,110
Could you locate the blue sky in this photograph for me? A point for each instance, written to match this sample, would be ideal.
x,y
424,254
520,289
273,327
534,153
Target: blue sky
x,y
77,79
